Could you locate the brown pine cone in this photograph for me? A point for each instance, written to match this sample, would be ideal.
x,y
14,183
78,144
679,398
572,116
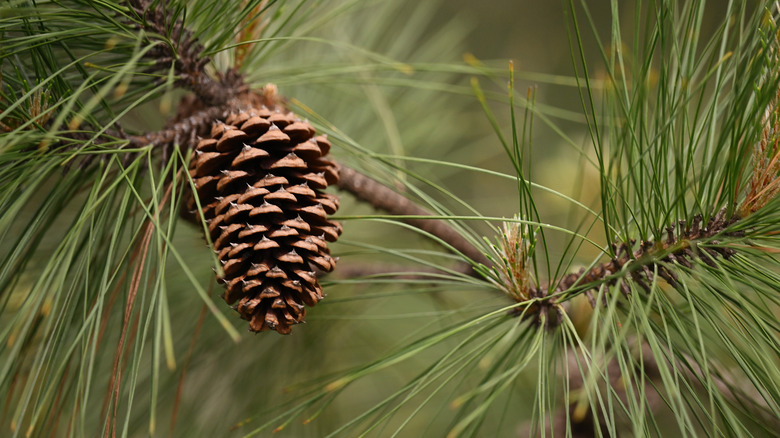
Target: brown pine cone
x,y
259,179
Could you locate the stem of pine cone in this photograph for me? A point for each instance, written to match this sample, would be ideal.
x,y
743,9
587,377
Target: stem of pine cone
x,y
183,132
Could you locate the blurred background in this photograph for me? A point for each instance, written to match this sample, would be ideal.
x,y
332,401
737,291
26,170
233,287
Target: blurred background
x,y
393,79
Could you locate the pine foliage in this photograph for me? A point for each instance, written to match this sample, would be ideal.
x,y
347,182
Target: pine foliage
x,y
652,310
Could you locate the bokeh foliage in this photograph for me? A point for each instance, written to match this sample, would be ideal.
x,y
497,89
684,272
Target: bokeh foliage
x,y
111,322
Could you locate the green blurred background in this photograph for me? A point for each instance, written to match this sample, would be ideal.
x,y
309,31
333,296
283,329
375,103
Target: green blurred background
x,y
220,388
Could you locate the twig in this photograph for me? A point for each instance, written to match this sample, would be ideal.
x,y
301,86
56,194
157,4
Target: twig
x,y
181,132
184,52
398,272
116,372
381,197
678,248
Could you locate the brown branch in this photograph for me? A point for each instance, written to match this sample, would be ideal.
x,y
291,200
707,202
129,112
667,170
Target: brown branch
x,y
680,248
185,54
181,132
187,360
383,198
399,272
116,371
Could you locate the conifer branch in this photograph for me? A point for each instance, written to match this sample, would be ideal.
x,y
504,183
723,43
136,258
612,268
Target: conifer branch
x,y
185,53
181,131
383,198
214,98
399,272
693,240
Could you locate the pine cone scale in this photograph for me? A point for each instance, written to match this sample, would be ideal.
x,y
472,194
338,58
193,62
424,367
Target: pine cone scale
x,y
259,180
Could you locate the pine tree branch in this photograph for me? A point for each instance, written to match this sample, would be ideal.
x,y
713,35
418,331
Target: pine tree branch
x,y
215,97
181,132
401,272
639,264
382,197
650,257
184,131
184,52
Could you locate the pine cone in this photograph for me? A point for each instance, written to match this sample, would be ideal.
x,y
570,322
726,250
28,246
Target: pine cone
x,y
259,180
